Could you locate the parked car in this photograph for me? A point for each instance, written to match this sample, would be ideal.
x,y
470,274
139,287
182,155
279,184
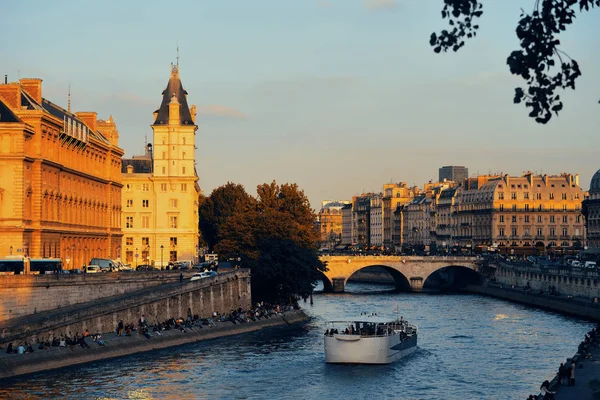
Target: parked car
x,y
93,269
202,275
105,264
145,267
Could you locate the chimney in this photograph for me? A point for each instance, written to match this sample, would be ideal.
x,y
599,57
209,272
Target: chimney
x,y
10,94
33,87
89,118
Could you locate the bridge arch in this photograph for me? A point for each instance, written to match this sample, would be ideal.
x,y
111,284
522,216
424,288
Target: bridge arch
x,y
416,270
400,280
451,277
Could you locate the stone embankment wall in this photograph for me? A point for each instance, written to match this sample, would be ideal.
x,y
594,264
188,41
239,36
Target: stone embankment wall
x,y
568,281
579,308
12,365
28,294
221,293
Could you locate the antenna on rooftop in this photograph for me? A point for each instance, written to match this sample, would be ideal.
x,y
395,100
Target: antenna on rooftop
x,y
69,100
177,55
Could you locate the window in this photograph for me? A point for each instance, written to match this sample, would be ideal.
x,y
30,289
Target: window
x,y
576,195
501,231
514,231
513,195
183,170
145,221
145,187
173,255
163,141
173,203
552,219
526,207
502,218
183,155
173,241
129,241
514,207
526,232
551,196
500,195
539,219
564,219
501,207
552,232
578,219
129,222
173,221
163,187
129,203
145,203
514,218
564,207
539,231
184,187
145,241
540,207
183,140
527,219
538,196
164,170
564,196
526,195
565,231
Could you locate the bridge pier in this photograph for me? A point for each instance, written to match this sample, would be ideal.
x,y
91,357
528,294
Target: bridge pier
x,y
338,284
416,284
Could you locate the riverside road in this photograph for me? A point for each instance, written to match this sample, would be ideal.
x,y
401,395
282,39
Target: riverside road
x,y
470,347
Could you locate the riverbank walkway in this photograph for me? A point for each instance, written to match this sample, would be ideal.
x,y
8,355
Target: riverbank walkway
x,y
587,378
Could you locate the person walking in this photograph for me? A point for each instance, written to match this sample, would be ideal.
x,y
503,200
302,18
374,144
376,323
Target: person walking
x,y
572,377
181,277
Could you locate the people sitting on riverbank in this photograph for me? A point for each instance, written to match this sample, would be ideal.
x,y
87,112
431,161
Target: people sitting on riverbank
x,y
546,392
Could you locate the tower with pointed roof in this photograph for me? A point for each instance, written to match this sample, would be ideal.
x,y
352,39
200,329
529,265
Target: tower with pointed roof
x,y
161,191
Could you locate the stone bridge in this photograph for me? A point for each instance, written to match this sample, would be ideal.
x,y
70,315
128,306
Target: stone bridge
x,y
409,272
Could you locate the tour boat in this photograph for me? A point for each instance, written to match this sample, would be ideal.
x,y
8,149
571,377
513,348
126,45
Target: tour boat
x,y
369,340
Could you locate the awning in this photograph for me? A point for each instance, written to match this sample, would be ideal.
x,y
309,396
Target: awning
x,y
45,260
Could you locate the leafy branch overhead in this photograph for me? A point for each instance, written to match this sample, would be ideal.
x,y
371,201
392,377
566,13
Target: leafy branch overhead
x,y
539,61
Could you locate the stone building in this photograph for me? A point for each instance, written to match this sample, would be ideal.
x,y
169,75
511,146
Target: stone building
x,y
453,173
60,192
347,224
591,209
160,188
394,194
376,221
417,220
522,214
330,222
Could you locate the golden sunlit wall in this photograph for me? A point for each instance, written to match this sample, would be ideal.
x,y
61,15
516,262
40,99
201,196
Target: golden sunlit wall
x,y
60,193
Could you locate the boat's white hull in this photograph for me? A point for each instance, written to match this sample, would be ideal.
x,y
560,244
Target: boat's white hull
x,y
354,349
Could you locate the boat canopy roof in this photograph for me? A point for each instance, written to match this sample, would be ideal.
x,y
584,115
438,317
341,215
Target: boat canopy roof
x,y
363,319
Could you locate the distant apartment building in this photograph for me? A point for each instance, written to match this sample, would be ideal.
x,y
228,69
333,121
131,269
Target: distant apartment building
x,y
330,222
591,210
347,224
361,218
522,214
453,173
418,222
394,194
376,221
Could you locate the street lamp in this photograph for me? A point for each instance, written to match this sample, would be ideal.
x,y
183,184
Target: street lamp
x,y
136,257
162,248
85,249
10,250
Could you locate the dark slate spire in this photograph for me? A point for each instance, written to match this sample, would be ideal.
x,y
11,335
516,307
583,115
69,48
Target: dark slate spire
x,y
174,87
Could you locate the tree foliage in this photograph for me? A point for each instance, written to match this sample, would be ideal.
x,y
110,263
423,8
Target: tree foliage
x,y
274,235
539,61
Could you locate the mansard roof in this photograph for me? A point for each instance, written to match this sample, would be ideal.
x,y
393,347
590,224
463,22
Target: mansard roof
x,y
6,115
174,88
140,164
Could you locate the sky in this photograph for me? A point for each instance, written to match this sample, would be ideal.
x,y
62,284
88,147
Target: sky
x,y
338,96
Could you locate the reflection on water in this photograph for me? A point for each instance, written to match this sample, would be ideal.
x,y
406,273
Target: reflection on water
x,y
469,348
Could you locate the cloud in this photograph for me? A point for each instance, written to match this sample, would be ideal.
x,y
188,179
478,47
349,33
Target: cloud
x,y
215,110
380,4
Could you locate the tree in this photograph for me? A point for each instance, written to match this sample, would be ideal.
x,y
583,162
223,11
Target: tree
x,y
220,205
276,237
540,62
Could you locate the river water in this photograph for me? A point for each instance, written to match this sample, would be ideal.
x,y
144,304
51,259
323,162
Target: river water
x,y
470,347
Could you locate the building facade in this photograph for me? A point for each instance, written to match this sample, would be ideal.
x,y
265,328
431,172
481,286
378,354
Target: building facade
x,y
591,210
453,173
525,214
347,225
376,221
160,189
330,222
394,194
60,192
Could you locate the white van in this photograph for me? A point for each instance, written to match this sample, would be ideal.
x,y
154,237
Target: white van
x,y
93,269
590,264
